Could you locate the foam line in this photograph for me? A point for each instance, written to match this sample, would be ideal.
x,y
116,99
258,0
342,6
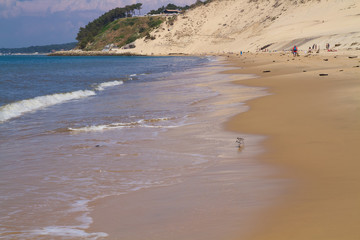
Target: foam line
x,y
140,123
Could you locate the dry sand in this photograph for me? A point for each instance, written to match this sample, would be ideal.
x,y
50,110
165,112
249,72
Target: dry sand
x,y
224,26
313,124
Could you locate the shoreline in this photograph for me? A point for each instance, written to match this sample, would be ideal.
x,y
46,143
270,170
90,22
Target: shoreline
x,y
311,120
310,124
89,53
219,201
302,53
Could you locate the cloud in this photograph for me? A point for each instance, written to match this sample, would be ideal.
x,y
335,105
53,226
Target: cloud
x,y
40,22
14,8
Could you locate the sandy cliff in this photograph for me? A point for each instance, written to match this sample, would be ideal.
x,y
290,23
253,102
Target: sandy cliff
x,y
248,25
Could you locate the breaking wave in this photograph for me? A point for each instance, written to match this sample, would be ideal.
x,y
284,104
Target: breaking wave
x,y
104,85
19,108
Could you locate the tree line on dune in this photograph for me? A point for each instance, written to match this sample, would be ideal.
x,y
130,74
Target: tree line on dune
x,y
171,6
87,34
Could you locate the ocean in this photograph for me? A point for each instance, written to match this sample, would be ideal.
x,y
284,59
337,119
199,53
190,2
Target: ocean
x,y
76,129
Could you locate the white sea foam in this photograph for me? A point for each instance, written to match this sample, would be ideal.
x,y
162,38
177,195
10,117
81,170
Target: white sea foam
x,y
73,231
67,231
104,85
80,206
94,128
141,123
17,109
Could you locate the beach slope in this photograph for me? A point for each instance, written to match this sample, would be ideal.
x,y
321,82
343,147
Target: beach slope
x,y
313,128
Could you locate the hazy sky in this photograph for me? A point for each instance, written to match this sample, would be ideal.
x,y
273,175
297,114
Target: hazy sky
x,y
26,23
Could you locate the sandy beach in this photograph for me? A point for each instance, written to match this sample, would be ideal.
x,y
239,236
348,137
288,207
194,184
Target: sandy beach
x,y
311,128
144,147
217,200
306,128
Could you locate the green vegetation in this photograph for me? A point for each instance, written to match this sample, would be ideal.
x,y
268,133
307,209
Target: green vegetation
x,y
171,6
40,49
119,27
154,22
124,31
116,27
118,38
170,21
101,24
129,22
131,39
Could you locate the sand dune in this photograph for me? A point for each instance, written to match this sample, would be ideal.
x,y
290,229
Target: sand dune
x,y
224,26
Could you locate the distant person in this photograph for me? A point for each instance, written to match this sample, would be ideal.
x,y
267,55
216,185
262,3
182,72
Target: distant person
x,y
328,46
240,53
295,51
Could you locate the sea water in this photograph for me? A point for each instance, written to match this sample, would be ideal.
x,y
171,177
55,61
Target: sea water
x,y
75,129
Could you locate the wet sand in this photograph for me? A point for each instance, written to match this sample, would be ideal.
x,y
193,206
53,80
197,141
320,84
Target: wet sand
x,y
217,199
312,130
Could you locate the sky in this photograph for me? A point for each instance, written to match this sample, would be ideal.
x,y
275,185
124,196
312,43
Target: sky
x,y
25,23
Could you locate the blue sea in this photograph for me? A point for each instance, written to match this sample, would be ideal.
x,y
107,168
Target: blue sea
x,y
33,82
76,129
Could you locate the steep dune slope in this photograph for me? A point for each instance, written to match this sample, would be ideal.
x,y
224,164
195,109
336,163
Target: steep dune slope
x,y
248,25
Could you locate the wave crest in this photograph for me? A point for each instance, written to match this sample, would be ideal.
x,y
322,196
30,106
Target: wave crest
x,y
104,85
16,109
